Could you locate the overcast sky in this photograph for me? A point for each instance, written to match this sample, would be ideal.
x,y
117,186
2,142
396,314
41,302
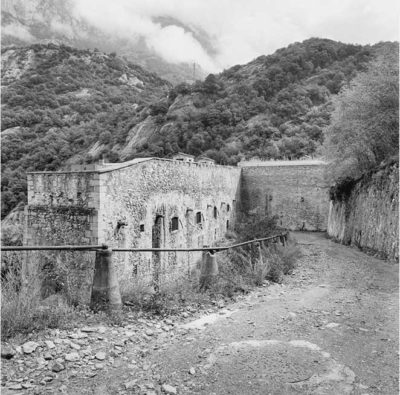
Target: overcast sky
x,y
240,30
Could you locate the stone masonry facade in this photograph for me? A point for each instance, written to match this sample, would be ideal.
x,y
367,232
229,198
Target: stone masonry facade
x,y
163,203
295,191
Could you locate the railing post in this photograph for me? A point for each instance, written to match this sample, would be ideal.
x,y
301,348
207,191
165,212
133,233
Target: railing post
x,y
209,269
114,294
105,281
256,255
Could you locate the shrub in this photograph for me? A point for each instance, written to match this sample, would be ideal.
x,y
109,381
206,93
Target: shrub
x,y
255,228
171,295
22,308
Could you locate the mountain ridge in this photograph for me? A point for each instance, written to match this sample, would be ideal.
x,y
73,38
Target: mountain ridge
x,y
62,106
44,21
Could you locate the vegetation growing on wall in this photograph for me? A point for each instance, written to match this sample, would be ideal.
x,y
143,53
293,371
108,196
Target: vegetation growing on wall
x,y
364,131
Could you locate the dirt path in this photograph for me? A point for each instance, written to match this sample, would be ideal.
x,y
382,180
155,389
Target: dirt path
x,y
331,328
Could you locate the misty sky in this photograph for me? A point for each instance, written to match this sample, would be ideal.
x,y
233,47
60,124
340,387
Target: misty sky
x,y
228,32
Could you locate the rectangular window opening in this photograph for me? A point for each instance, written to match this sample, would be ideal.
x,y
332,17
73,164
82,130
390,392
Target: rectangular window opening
x,y
174,223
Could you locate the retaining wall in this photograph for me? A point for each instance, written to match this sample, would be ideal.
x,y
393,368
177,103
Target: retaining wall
x,y
367,216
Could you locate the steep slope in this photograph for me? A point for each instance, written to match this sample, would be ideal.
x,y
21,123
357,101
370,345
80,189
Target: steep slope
x,y
273,107
43,21
58,102
62,105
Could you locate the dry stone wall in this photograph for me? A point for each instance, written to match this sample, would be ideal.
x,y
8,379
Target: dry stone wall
x,y
294,191
367,216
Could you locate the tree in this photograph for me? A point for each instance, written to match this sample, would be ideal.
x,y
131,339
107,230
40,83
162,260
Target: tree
x,y
365,121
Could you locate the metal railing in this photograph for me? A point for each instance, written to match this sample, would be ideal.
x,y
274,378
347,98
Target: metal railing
x,y
281,236
105,280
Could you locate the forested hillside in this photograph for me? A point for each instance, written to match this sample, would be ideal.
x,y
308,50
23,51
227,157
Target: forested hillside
x,y
273,107
364,128
57,102
62,105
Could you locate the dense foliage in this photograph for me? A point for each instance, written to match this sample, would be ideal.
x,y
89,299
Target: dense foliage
x,y
58,102
62,105
273,107
364,131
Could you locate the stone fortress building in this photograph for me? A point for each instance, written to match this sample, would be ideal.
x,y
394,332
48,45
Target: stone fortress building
x,y
163,203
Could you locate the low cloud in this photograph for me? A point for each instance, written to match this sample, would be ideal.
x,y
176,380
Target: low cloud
x,y
18,31
240,30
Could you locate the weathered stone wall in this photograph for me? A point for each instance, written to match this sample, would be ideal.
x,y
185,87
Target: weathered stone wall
x,y
295,191
138,204
163,203
368,215
62,210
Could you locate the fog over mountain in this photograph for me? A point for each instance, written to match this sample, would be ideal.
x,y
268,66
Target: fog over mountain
x,y
184,41
43,21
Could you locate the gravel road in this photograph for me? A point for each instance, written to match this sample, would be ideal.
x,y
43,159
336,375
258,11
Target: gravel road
x,y
330,328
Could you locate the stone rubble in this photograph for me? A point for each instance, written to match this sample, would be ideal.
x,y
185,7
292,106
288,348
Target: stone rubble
x,y
55,355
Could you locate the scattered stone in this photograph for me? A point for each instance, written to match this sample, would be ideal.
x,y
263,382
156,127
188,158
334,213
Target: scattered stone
x,y
75,346
27,386
89,329
323,285
57,367
50,344
99,366
47,356
47,379
363,330
29,347
192,371
15,387
72,357
168,389
332,325
79,335
101,356
7,352
41,361
130,384
292,315
149,332
338,313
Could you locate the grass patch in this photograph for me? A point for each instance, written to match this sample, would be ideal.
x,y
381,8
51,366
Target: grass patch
x,y
23,309
240,270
